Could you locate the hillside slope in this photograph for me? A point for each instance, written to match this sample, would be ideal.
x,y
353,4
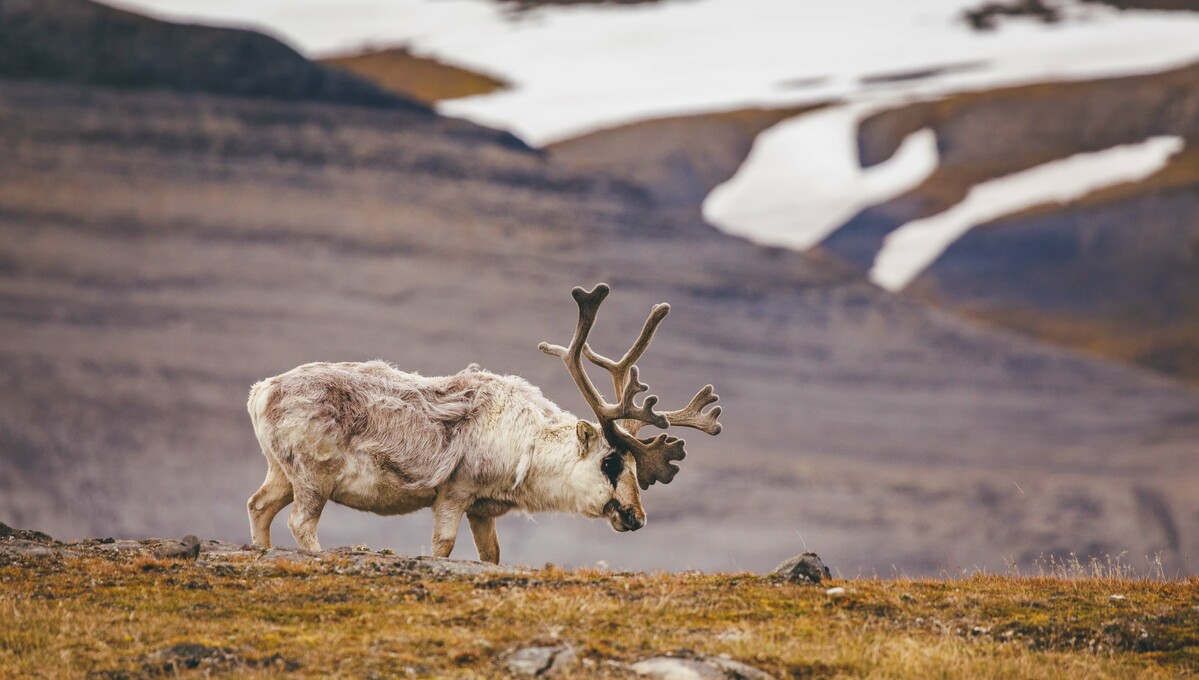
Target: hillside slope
x,y
1114,272
678,159
86,42
161,251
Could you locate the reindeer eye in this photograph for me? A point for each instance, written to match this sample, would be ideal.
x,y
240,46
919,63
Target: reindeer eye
x,y
612,466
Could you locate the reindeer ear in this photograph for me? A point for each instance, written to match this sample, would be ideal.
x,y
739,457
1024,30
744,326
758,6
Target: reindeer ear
x,y
586,431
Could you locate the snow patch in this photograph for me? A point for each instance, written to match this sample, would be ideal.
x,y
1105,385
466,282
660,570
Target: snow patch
x,y
909,250
802,180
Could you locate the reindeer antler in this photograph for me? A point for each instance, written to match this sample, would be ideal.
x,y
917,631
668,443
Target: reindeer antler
x,y
622,421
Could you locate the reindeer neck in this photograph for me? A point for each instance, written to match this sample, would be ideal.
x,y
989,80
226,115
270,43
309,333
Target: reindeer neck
x,y
549,483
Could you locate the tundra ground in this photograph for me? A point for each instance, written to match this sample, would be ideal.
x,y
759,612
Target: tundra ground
x,y
120,614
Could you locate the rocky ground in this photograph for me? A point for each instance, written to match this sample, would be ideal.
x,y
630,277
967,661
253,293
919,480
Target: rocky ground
x,y
112,609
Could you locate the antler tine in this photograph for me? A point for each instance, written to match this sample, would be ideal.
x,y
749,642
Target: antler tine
x,y
608,414
655,458
692,415
589,302
623,371
619,369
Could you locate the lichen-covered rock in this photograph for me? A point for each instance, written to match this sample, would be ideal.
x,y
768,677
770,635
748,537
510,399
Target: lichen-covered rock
x,y
697,667
224,555
23,534
805,568
187,549
173,660
22,548
542,662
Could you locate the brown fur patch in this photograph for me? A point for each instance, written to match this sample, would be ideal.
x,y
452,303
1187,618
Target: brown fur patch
x,y
391,467
344,405
489,507
273,410
457,389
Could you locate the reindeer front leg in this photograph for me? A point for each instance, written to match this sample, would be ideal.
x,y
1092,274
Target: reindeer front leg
x,y
486,540
448,509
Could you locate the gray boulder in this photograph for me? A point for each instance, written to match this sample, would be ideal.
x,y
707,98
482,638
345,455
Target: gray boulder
x,y
697,667
22,548
541,662
187,549
805,568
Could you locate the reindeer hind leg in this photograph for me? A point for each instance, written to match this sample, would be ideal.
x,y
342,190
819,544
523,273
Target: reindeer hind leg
x,y
305,513
274,495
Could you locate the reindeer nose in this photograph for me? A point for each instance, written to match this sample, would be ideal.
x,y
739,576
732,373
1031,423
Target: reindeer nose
x,y
631,519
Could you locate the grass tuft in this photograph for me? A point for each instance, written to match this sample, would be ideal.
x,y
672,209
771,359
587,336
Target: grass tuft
x,y
113,616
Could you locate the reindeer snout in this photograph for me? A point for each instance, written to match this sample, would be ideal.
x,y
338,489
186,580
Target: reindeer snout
x,y
631,519
624,518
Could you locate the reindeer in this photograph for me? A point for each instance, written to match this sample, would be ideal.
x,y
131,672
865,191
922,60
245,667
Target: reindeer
x,y
374,438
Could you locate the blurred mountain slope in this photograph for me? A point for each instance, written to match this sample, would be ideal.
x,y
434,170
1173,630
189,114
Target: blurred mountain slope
x,y
989,134
86,42
1115,272
678,159
162,250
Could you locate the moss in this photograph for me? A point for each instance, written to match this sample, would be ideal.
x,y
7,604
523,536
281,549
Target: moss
x,y
108,615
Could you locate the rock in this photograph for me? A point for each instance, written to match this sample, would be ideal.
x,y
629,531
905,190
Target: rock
x,y
697,667
225,547
97,541
187,549
805,568
23,548
185,656
543,662
442,565
24,534
290,555
735,670
121,547
189,655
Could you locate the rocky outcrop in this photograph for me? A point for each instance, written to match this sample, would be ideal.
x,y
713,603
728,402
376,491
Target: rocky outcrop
x,y
9,533
186,549
805,568
215,554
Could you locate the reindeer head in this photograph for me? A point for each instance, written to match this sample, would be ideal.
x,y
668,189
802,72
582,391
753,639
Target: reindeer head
x,y
613,473
645,460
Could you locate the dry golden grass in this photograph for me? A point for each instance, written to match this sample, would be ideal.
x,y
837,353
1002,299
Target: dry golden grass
x,y
103,616
424,79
